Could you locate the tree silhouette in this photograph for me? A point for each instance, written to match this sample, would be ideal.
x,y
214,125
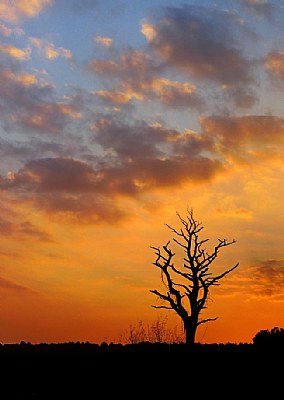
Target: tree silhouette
x,y
187,286
275,336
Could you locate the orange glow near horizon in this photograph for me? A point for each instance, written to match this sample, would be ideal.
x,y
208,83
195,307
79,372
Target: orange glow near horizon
x,y
92,284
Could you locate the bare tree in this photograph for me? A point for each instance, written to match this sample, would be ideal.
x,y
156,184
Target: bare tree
x,y
187,286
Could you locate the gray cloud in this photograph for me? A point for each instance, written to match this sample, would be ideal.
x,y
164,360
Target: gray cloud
x,y
135,67
267,278
261,8
28,105
202,43
136,159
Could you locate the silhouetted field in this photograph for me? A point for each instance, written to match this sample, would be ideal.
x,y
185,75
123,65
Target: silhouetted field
x,y
90,371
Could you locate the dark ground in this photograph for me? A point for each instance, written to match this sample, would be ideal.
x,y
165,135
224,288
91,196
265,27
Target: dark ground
x,y
90,371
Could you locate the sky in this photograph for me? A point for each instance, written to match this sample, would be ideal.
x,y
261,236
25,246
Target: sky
x,y
115,116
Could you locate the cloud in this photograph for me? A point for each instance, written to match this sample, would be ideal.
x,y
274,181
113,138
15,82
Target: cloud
x,y
18,9
142,141
243,97
170,93
201,43
7,284
67,186
138,161
4,30
260,8
14,52
197,43
262,281
23,79
134,67
45,117
104,41
246,136
266,279
24,230
135,159
49,50
275,64
8,31
117,96
175,94
138,77
56,174
26,104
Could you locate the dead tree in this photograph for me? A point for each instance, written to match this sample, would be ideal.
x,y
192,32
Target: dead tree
x,y
187,286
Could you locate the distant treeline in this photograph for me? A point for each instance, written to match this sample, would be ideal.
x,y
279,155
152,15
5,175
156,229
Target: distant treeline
x,y
274,336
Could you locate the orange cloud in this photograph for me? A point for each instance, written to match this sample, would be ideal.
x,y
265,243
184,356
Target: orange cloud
x,y
27,79
119,97
103,40
249,140
69,110
7,284
23,230
124,72
275,63
14,11
49,51
23,79
148,31
265,280
14,52
162,85
235,132
176,93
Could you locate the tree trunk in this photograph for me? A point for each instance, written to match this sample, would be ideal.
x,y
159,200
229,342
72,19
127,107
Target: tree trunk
x,y
190,327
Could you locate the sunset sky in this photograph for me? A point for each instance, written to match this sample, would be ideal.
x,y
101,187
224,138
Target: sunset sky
x,y
115,115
